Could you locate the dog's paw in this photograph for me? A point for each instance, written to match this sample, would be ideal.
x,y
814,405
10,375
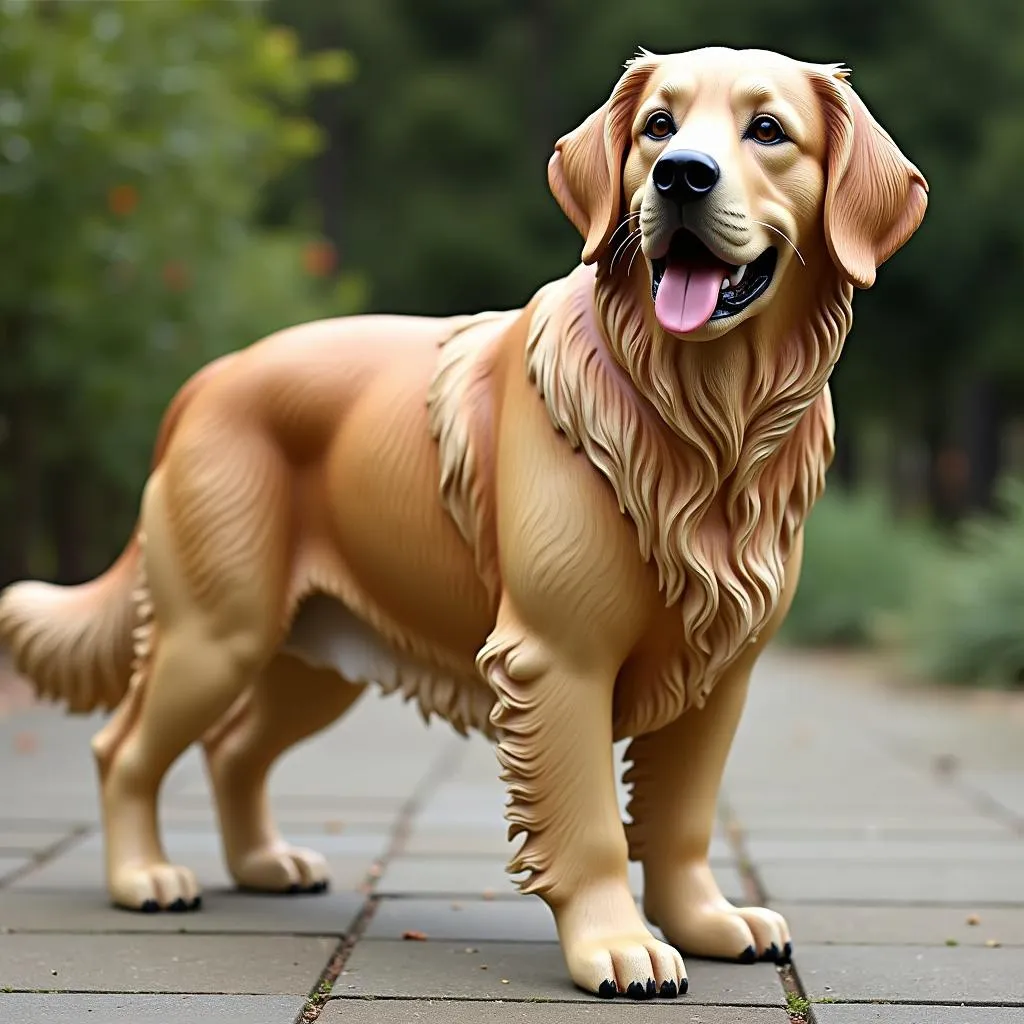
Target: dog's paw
x,y
155,887
634,966
725,932
283,869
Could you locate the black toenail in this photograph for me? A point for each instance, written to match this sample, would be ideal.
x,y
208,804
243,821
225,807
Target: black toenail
x,y
607,990
652,989
636,991
684,986
748,956
294,888
787,953
196,903
771,954
150,907
179,906
320,886
668,990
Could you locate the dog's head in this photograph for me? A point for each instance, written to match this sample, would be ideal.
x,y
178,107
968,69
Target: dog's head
x,y
740,176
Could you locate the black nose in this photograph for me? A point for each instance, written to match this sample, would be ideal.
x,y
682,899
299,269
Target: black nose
x,y
685,174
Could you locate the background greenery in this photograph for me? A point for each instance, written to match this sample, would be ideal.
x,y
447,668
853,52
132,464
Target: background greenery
x,y
179,178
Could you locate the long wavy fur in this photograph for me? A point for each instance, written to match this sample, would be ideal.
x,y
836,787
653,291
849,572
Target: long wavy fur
x,y
716,452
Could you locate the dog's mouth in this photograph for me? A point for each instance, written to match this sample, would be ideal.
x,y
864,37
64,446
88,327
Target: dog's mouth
x,y
691,286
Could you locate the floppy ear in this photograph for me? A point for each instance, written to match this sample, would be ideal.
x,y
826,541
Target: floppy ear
x,y
585,170
875,198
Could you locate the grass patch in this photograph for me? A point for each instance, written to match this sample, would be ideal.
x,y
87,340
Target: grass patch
x,y
859,573
797,1005
967,619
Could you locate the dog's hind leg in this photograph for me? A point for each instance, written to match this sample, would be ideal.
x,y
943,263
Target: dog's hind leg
x,y
289,702
216,565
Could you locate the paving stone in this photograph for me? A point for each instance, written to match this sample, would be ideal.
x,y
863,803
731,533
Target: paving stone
x,y
467,841
350,858
400,1011
973,851
1006,788
439,970
526,919
329,817
887,925
77,1008
841,820
27,837
253,964
921,973
829,829
472,877
859,1013
223,911
894,882
10,864
491,841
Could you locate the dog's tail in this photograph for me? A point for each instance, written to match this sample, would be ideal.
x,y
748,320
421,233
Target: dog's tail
x,y
77,644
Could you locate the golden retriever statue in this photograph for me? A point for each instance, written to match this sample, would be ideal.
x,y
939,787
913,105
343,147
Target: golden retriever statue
x,y
560,525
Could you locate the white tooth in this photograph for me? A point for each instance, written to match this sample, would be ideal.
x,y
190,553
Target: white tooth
x,y
737,275
725,284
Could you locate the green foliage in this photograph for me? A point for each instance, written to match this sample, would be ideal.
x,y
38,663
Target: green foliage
x,y
967,615
136,144
860,573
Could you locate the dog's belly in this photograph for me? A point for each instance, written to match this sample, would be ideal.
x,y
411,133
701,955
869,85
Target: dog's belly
x,y
397,598
327,634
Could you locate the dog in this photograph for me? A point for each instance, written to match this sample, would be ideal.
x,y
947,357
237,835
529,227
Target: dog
x,y
562,525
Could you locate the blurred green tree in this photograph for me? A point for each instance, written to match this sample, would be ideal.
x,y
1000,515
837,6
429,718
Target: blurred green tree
x,y
136,143
434,176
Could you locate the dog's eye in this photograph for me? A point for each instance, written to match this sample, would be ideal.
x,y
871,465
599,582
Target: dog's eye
x,y
766,130
659,126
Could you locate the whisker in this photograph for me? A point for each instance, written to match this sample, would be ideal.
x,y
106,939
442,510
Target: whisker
x,y
625,220
783,235
631,236
638,249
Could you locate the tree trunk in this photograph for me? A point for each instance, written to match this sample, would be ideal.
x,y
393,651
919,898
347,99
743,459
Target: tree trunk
x,y
844,468
69,518
982,443
23,462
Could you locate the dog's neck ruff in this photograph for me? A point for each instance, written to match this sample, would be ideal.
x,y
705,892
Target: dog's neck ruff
x,y
715,450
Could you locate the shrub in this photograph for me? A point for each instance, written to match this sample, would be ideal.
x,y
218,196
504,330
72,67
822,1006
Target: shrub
x,y
859,572
967,612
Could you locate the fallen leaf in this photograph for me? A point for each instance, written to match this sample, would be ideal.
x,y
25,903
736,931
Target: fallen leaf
x,y
993,943
26,743
415,936
973,919
504,981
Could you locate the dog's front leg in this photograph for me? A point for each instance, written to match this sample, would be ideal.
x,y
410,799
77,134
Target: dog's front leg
x,y
554,722
676,777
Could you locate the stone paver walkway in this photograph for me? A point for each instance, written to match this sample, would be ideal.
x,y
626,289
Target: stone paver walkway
x,y
887,823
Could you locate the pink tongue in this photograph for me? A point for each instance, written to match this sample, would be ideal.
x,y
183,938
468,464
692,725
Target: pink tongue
x,y
687,297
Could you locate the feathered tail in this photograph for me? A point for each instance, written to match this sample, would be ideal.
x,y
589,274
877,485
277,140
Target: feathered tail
x,y
76,644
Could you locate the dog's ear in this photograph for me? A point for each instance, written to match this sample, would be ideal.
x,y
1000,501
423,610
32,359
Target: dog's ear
x,y
585,170
875,198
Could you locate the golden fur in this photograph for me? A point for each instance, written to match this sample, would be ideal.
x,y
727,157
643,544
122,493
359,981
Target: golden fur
x,y
560,525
